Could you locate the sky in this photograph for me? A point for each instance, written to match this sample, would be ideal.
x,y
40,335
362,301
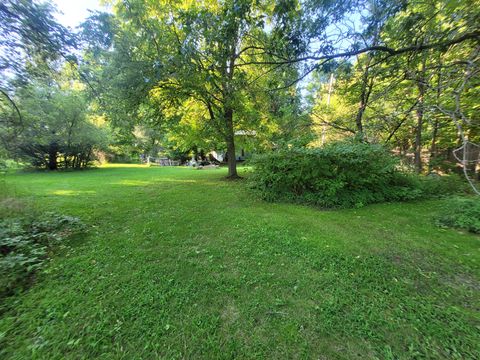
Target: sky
x,y
75,11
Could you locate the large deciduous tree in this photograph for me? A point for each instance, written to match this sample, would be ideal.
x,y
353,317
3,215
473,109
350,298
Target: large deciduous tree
x,y
186,55
31,42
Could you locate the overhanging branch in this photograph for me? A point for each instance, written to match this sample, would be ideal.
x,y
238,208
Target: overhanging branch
x,y
381,48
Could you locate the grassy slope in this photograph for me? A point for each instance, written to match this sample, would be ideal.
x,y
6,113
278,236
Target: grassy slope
x,y
181,264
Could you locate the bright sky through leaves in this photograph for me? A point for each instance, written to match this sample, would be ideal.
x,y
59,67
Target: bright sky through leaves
x,y
73,12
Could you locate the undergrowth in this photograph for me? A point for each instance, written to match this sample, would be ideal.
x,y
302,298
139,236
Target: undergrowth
x,y
461,213
26,244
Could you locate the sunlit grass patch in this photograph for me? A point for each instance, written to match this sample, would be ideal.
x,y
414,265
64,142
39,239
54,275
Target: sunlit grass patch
x,y
124,166
72,192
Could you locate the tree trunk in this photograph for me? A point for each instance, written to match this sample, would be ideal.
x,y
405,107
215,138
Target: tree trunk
x,y
358,120
420,110
436,122
433,147
418,130
418,139
52,156
230,140
363,102
366,90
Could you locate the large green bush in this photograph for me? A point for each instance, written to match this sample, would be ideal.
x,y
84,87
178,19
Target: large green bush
x,y
436,186
342,174
461,213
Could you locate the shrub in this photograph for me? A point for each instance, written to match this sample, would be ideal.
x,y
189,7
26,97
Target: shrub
x,y
437,186
461,213
26,243
342,174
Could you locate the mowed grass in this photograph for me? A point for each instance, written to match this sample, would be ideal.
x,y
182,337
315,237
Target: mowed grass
x,y
181,264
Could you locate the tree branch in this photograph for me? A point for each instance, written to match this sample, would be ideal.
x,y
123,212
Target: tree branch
x,y
381,48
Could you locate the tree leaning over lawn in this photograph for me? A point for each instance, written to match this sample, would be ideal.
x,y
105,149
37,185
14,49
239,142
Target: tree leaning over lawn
x,y
31,43
171,54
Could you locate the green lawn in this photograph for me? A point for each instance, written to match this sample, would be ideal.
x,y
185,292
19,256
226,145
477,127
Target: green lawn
x,y
181,264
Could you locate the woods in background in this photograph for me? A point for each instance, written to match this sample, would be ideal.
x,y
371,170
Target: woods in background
x,y
174,77
423,103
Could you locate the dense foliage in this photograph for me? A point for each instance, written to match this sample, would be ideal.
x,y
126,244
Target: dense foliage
x,y
45,116
31,40
342,174
188,77
461,213
422,103
56,130
25,245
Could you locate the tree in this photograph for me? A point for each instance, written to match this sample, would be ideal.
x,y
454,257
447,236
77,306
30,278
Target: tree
x,y
191,54
30,43
30,39
57,131
408,84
